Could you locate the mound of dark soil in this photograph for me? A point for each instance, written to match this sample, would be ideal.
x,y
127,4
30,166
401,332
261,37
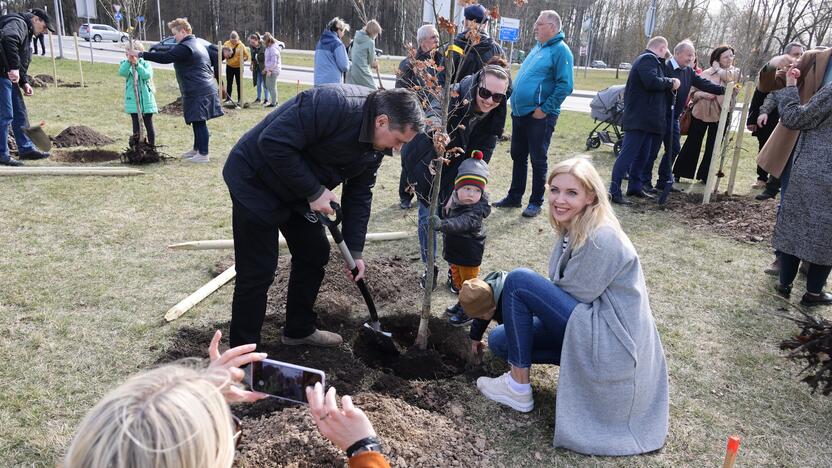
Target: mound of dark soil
x,y
173,108
85,156
414,398
44,81
80,135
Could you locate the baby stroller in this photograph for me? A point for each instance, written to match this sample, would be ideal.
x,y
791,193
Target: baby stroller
x,y
607,108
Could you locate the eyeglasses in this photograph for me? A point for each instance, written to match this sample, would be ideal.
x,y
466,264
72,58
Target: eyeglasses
x,y
238,431
496,97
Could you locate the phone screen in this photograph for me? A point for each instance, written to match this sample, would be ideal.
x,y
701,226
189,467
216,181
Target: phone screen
x,y
283,380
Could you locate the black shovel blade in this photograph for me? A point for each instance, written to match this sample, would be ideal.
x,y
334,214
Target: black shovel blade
x,y
380,339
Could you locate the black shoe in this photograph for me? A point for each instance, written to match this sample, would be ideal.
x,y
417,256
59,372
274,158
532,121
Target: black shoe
x,y
652,190
256,101
34,155
424,278
639,194
809,300
451,282
531,211
620,200
672,190
454,309
765,196
784,291
405,204
10,162
507,203
459,319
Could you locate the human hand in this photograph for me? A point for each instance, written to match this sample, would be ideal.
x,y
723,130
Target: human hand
x,y
751,127
477,347
27,89
361,268
322,203
715,65
791,76
132,59
762,119
14,76
375,64
676,83
343,427
269,73
232,360
436,222
538,113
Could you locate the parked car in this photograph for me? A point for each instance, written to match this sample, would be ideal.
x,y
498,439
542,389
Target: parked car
x,y
625,66
598,64
519,56
101,32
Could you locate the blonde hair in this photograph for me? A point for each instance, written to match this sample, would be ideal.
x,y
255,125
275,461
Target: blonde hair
x,y
171,416
372,28
598,213
234,36
137,45
268,39
180,24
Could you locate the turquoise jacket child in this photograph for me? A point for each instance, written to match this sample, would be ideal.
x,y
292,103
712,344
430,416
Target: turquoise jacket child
x,y
544,79
146,92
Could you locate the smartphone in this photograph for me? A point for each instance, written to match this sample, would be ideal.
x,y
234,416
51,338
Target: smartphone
x,y
283,380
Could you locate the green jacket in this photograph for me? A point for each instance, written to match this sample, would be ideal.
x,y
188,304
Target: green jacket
x,y
362,54
146,92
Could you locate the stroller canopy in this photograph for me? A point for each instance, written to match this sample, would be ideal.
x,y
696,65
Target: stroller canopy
x,y
608,104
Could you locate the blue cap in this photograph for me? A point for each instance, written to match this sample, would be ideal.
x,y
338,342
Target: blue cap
x,y
476,12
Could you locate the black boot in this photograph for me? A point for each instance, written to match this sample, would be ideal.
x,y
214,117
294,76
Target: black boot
x,y
813,300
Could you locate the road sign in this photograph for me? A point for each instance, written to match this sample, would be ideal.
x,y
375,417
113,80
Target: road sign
x,y
583,51
85,9
140,19
650,20
509,29
117,16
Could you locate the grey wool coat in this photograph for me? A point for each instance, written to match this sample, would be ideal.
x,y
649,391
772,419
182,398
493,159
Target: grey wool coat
x,y
804,223
612,396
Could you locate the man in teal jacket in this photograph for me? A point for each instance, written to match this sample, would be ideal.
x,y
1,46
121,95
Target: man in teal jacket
x,y
543,82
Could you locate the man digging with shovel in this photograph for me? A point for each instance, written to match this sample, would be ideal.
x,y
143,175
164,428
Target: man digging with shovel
x,y
281,173
16,32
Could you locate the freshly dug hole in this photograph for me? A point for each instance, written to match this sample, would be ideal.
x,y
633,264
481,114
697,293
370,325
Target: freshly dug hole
x,y
85,156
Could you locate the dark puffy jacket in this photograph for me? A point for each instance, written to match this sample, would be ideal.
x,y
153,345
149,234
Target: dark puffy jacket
x,y
647,95
407,78
468,61
16,32
319,139
754,112
481,136
193,73
464,233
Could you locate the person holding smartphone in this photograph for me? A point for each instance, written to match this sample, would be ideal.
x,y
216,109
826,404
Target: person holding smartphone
x,y
158,418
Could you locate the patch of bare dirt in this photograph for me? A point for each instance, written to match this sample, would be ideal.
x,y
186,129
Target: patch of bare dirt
x,y
173,108
84,156
80,135
44,81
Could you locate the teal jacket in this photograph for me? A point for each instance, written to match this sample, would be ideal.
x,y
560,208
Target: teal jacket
x,y
544,79
146,93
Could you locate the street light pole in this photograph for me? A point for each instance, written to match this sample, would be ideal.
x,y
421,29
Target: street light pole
x,y
159,10
60,17
274,33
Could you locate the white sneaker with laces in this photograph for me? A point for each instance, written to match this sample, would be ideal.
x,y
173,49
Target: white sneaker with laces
x,y
198,158
189,154
497,389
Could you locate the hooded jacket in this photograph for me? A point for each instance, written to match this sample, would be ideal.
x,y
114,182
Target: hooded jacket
x,y
469,60
331,60
362,54
463,232
16,34
544,79
147,98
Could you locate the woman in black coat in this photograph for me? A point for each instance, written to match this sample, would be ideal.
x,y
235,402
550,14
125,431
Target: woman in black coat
x,y
200,101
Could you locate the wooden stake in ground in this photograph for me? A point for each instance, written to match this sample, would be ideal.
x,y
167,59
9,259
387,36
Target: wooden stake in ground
x,y
219,70
227,244
749,86
731,452
720,133
186,304
54,65
78,56
68,171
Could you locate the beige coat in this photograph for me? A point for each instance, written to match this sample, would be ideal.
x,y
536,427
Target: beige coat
x,y
708,110
775,154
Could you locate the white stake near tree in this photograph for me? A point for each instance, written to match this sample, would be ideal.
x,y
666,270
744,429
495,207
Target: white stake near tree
x,y
720,133
749,86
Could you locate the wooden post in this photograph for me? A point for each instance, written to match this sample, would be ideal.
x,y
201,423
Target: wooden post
x,y
297,88
186,304
221,244
54,65
219,70
68,171
241,80
78,56
720,132
731,452
749,87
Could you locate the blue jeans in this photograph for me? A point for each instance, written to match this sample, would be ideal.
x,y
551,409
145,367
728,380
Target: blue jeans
x,y
535,313
664,167
637,146
258,83
424,225
12,111
201,136
530,137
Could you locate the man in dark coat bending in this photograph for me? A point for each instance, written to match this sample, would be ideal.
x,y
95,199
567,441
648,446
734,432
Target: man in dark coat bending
x,y
282,170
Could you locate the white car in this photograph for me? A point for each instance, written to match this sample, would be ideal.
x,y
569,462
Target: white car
x,y
101,32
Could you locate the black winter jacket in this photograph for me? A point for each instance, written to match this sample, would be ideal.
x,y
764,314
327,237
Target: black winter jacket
x,y
647,95
754,112
479,136
467,62
319,139
16,34
408,79
464,233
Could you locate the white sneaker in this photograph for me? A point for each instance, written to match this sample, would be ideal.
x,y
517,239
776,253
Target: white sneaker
x,y
198,158
498,389
189,154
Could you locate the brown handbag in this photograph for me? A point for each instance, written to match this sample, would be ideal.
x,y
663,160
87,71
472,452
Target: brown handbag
x,y
685,118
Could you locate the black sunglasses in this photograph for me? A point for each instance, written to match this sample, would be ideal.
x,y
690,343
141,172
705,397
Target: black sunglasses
x,y
496,97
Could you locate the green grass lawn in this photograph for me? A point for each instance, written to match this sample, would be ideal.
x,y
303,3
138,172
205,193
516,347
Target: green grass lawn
x,y
87,279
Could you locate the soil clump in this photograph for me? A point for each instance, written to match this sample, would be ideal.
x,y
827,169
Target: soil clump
x,y
80,135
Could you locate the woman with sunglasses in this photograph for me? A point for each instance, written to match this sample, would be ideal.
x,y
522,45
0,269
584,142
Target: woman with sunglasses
x,y
476,118
178,416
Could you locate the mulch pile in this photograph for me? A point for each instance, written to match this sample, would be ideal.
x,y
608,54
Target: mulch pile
x,y
85,156
416,401
80,135
738,217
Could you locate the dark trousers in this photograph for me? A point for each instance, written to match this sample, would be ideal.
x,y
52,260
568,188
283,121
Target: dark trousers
x,y
232,73
635,149
255,256
148,126
689,155
404,195
673,132
530,138
35,40
201,136
815,278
